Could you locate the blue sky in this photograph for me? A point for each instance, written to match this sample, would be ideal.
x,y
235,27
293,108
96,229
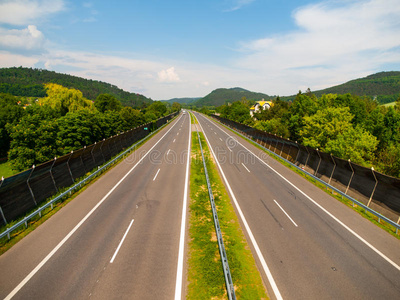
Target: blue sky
x,y
167,49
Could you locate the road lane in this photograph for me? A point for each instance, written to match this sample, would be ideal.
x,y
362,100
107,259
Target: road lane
x,y
319,258
148,256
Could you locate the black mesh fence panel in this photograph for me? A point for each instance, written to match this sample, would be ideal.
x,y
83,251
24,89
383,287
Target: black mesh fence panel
x,y
357,181
23,192
42,182
12,188
61,172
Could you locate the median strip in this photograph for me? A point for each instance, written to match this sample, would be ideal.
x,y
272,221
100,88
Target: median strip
x,y
205,271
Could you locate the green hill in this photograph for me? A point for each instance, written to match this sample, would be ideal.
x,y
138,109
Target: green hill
x,y
219,97
385,86
29,82
182,100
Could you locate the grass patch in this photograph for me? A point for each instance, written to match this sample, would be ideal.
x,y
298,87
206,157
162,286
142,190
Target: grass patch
x,y
374,219
205,274
6,170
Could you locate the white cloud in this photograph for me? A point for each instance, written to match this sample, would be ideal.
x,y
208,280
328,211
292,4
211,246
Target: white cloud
x,y
8,60
23,12
169,75
29,38
335,41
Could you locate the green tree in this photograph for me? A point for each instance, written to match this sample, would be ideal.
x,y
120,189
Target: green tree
x,y
10,113
64,99
331,130
273,126
33,141
131,118
159,108
176,106
105,102
78,129
301,107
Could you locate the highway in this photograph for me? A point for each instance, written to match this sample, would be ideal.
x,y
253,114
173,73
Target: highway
x,y
121,238
307,245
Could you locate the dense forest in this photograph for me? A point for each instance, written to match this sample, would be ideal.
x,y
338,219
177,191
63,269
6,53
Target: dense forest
x,y
383,86
221,96
348,126
30,83
64,121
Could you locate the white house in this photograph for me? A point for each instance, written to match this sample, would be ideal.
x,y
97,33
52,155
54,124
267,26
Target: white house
x,y
260,105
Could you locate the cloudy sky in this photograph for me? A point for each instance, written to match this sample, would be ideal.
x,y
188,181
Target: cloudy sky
x,y
187,48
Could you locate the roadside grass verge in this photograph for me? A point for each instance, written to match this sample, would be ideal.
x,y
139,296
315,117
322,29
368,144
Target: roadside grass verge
x,y
32,224
374,219
205,274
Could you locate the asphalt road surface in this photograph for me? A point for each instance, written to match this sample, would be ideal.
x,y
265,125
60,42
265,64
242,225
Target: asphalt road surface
x,y
307,244
121,238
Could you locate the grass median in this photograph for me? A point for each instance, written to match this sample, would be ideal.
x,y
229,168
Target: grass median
x,y
205,273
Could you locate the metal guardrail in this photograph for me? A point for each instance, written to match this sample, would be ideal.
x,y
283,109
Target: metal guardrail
x,y
354,201
76,186
227,273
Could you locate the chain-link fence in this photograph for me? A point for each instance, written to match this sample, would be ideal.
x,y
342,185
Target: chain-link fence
x,y
377,191
23,192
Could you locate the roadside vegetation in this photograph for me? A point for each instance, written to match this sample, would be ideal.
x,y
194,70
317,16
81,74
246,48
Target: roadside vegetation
x,y
64,121
205,273
348,126
374,219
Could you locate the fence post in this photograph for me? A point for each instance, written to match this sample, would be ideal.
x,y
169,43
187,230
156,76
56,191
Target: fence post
x,y
1,211
298,153
2,214
334,167
308,156
290,148
350,177
51,174
276,146
316,171
101,149
84,148
27,182
373,191
283,145
270,143
91,153
69,169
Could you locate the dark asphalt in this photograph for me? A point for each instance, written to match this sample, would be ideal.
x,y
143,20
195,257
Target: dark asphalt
x,y
145,266
310,254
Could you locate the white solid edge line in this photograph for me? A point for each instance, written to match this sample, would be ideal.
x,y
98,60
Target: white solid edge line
x,y
120,244
179,271
287,215
326,211
245,167
246,225
60,244
156,174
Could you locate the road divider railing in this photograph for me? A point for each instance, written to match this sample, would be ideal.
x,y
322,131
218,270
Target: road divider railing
x,y
21,193
227,273
375,192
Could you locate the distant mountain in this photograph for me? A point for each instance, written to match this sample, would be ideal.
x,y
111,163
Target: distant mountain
x,y
221,96
182,100
385,86
29,82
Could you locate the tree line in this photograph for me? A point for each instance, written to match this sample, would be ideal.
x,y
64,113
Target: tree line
x,y
65,121
29,82
348,126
